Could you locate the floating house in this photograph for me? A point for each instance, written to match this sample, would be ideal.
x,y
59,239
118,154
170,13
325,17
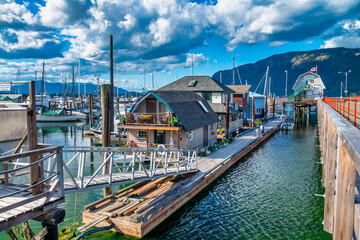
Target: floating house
x,y
173,119
308,86
259,101
214,93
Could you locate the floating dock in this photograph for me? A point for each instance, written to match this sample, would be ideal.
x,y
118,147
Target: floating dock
x,y
139,208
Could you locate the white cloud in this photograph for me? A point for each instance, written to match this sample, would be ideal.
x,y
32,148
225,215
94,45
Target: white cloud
x,y
161,33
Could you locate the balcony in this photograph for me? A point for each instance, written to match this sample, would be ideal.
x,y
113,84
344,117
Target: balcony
x,y
148,119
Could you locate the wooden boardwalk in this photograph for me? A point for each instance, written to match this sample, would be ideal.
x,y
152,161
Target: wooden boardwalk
x,y
139,208
21,207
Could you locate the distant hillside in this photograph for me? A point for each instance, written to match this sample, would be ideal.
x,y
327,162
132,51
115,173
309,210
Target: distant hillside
x,y
58,88
329,63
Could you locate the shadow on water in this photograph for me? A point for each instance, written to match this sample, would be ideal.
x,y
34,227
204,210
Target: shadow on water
x,y
269,194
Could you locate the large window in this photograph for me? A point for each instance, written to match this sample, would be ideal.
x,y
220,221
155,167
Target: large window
x,y
142,134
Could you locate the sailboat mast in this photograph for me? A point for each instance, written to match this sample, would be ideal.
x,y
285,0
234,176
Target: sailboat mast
x,y
266,79
233,70
73,84
79,81
42,83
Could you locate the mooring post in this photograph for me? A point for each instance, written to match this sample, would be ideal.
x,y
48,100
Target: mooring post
x,y
283,108
106,126
273,110
227,117
252,112
90,110
265,109
32,139
111,84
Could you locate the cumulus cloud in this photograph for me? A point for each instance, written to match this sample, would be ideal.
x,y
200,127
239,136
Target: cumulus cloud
x,y
160,33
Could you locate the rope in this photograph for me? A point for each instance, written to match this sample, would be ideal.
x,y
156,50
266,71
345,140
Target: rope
x,y
94,231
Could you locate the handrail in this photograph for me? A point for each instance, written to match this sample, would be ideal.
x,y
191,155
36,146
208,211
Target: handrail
x,y
148,118
29,153
346,106
126,164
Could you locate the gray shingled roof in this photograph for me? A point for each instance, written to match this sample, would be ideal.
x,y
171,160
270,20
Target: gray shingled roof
x,y
203,84
186,108
221,108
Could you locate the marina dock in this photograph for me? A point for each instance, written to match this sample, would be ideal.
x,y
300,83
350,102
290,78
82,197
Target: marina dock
x,y
138,209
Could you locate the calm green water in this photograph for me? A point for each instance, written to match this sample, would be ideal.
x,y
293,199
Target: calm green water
x,y
267,195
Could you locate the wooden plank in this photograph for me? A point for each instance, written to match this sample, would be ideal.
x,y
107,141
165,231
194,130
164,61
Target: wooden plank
x,y
345,195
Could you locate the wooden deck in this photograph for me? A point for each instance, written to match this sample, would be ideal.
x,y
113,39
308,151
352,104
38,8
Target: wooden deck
x,y
23,207
139,208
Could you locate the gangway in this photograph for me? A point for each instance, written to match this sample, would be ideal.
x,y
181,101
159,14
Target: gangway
x,y
65,170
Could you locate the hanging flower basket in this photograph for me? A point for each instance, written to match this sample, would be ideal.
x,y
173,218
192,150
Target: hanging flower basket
x,y
145,117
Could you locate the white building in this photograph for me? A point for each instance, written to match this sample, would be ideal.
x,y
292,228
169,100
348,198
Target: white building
x,y
308,86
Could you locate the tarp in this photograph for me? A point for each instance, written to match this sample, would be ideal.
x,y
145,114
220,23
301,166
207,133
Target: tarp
x,y
52,111
5,98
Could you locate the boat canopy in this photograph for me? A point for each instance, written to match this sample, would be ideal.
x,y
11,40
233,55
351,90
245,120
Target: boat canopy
x,y
52,111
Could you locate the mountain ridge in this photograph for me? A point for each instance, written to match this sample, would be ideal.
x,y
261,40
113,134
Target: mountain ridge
x,y
329,62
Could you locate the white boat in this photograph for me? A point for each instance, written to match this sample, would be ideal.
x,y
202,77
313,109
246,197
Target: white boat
x,y
56,118
55,115
287,126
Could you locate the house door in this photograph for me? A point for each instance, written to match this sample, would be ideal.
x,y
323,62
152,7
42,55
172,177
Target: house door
x,y
159,136
150,105
205,138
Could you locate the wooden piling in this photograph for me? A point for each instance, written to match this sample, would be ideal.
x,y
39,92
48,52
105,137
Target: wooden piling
x,y
265,108
106,126
273,109
111,96
252,112
90,110
32,138
227,116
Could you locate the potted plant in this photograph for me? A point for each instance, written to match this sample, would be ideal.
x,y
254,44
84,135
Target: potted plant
x,y
202,152
173,121
207,152
145,117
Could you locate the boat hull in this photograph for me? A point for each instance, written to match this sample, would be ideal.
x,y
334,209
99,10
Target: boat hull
x,y
49,118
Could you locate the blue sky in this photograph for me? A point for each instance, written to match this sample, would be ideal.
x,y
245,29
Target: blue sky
x,y
162,35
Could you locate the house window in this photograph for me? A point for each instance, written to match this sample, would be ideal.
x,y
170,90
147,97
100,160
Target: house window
x,y
207,96
142,135
190,136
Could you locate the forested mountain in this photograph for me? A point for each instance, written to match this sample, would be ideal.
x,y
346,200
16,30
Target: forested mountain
x,y
329,62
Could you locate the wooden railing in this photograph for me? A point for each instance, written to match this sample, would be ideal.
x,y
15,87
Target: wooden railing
x,y
148,118
347,107
44,174
340,156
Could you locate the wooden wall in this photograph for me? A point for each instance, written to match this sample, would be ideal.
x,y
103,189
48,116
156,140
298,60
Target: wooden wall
x,y
13,123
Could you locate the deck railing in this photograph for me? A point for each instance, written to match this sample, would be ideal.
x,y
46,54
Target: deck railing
x,y
148,118
123,165
24,177
347,107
